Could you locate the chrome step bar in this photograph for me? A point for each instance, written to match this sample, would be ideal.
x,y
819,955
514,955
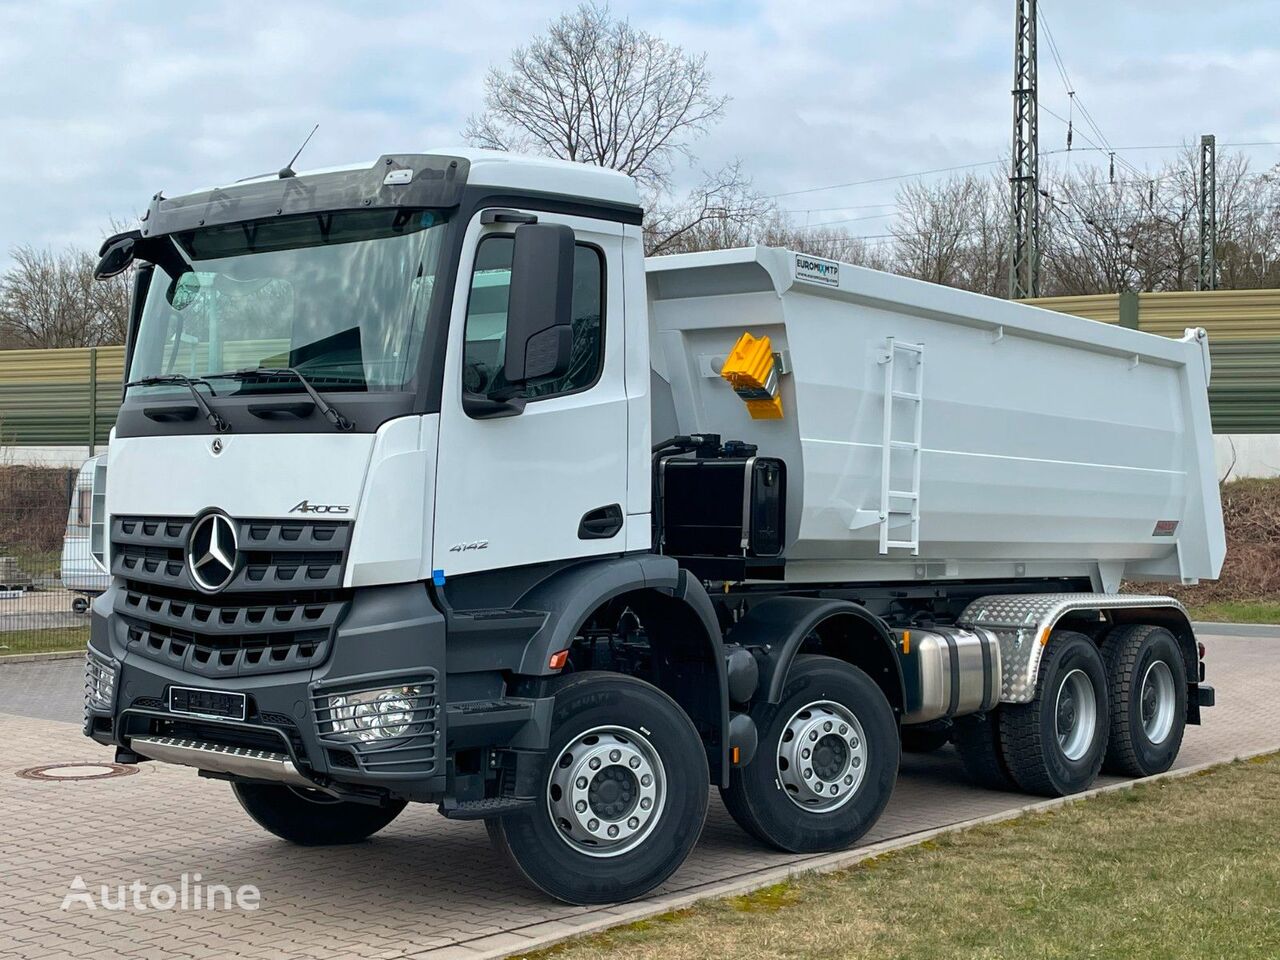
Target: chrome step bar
x,y
217,758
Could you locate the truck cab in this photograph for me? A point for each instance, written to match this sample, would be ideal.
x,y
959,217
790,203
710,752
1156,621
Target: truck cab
x,y
387,522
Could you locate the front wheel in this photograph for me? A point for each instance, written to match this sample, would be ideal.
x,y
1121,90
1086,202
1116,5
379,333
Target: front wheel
x,y
310,818
623,799
826,764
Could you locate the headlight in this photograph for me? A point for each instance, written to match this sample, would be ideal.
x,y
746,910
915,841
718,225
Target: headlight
x,y
374,715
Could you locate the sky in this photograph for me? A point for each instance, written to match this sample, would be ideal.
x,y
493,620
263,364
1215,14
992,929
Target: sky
x,y
102,104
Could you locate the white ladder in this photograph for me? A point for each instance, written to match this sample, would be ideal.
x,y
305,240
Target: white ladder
x,y
899,504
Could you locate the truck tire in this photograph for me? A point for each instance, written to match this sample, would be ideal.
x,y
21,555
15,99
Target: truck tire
x,y
1148,683
924,739
624,797
310,818
826,764
977,739
1055,744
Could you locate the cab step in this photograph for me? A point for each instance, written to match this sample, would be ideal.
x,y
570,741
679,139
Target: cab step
x,y
483,809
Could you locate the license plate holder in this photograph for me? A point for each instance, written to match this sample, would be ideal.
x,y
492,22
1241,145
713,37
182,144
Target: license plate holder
x,y
208,704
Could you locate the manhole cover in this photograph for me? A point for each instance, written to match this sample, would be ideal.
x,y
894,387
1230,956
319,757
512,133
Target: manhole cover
x,y
77,771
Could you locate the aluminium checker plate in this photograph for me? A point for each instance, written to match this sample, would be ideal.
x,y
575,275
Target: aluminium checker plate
x,y
1019,621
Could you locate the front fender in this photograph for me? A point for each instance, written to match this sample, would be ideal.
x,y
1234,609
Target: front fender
x,y
569,596
676,613
777,628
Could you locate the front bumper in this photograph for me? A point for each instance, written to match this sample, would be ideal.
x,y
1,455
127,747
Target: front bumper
x,y
390,637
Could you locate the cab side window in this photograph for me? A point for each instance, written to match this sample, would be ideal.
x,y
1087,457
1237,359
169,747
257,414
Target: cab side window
x,y
486,327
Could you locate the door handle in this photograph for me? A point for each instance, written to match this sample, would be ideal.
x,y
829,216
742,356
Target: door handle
x,y
601,523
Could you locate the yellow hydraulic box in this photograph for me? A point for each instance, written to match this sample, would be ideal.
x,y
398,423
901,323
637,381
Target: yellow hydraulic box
x,y
751,370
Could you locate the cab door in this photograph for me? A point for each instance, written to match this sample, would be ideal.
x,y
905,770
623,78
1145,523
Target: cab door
x,y
549,483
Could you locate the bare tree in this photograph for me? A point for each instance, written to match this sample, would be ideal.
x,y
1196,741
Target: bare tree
x,y
1248,249
935,227
1093,236
723,211
598,90
826,241
1135,233
50,299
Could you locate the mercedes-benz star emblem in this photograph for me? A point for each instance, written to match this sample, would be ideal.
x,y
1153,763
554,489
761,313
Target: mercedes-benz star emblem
x,y
212,552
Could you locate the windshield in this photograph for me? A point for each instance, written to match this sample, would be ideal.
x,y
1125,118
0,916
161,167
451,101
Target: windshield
x,y
343,297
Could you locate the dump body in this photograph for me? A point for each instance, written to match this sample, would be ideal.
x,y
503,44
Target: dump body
x,y
1046,445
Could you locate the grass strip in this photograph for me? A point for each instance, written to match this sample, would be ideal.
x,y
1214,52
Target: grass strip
x,y
1183,868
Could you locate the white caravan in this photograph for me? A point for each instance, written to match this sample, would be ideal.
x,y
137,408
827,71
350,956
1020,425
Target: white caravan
x,y
428,487
83,570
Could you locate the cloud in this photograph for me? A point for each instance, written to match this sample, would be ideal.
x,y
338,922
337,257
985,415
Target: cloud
x,y
107,103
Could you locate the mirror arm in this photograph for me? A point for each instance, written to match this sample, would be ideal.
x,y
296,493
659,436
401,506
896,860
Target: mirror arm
x,y
479,407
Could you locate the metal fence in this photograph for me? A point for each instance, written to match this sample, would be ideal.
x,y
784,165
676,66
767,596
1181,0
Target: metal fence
x,y
48,571
1244,343
60,397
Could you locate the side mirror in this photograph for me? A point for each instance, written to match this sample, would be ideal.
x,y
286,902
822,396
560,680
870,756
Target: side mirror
x,y
540,305
116,254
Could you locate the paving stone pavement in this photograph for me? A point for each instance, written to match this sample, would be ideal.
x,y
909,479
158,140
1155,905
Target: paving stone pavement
x,y
425,887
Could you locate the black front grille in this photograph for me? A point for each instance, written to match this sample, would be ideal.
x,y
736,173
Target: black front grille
x,y
275,555
229,655
280,611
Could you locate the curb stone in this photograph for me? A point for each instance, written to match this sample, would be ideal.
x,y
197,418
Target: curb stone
x,y
1268,631
39,657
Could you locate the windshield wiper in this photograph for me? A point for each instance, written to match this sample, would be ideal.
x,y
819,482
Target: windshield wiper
x,y
329,410
215,420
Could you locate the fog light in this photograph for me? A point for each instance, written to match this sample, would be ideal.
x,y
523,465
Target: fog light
x,y
374,715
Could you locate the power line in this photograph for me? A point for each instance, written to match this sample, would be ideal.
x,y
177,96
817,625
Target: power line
x,y
827,223
1142,177
1106,148
846,206
1159,146
899,176
1075,100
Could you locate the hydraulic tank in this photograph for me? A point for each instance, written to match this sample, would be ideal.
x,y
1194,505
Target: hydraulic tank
x,y
930,433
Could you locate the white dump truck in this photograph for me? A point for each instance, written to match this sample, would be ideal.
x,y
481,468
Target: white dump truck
x,y
428,487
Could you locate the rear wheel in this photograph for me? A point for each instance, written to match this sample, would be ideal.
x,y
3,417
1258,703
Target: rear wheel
x,y
311,818
924,739
1055,744
977,739
1148,693
624,797
826,764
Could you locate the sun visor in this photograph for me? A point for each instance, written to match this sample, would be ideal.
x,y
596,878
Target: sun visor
x,y
395,180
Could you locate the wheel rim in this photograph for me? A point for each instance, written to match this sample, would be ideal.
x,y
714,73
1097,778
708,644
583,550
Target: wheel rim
x,y
606,791
1076,715
822,756
1159,702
